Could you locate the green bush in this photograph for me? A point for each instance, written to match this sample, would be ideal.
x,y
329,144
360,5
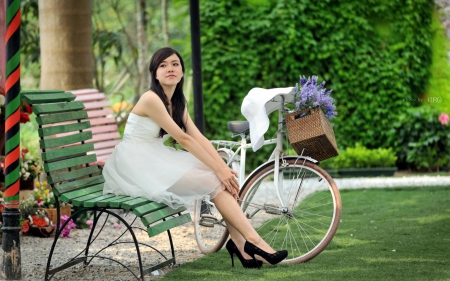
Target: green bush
x,y
361,157
421,141
373,54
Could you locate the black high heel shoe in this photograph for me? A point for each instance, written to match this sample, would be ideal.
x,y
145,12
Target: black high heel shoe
x,y
232,249
274,258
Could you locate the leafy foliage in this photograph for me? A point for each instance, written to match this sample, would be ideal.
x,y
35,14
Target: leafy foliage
x,y
29,31
360,156
371,62
422,141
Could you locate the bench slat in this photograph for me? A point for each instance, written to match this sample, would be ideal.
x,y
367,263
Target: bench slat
x,y
68,151
99,113
106,144
47,96
70,196
79,201
160,214
85,97
147,208
55,178
102,152
136,202
104,137
89,105
166,225
117,200
71,139
103,129
102,121
53,130
68,163
93,202
78,184
57,107
61,117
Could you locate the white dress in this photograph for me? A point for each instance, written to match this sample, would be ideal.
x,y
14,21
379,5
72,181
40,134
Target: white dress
x,y
143,166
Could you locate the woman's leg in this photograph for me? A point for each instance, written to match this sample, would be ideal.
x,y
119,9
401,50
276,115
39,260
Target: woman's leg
x,y
238,224
238,239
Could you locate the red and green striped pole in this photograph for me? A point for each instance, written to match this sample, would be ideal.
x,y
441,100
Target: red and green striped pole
x,y
11,265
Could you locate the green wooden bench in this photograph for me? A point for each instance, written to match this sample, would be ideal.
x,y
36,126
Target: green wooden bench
x,y
75,181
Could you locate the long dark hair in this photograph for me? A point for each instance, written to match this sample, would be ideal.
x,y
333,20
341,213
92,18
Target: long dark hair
x,y
178,99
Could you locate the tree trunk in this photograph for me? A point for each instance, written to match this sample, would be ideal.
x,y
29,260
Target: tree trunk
x,y
66,44
144,76
164,22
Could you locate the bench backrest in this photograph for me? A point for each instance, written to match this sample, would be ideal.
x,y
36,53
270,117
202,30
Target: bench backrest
x,y
105,132
66,157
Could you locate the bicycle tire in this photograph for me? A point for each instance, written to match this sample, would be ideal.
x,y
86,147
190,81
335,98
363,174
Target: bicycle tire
x,y
314,208
209,228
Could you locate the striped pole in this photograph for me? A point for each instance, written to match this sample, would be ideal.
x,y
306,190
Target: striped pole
x,y
11,266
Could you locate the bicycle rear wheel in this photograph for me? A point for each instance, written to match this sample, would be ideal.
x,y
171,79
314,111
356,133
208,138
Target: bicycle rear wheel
x,y
209,227
312,213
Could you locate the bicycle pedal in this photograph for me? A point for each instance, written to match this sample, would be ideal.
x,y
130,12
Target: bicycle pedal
x,y
207,220
272,209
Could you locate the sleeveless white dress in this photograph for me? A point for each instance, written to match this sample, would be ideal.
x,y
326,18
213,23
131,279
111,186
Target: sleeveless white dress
x,y
143,166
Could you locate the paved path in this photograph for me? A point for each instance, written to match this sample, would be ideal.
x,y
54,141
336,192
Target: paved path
x,y
381,182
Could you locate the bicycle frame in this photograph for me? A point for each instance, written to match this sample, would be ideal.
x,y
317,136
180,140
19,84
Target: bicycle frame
x,y
275,156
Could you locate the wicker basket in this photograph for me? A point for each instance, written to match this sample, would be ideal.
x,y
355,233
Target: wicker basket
x,y
309,129
52,212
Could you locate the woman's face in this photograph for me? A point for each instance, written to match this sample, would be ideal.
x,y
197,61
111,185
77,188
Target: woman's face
x,y
169,72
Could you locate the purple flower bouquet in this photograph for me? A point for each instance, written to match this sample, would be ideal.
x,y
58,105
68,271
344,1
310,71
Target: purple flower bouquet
x,y
307,94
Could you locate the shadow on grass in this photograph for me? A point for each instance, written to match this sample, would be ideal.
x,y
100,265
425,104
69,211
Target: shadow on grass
x,y
385,234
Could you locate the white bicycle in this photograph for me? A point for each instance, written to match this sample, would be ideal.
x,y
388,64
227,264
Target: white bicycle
x,y
291,202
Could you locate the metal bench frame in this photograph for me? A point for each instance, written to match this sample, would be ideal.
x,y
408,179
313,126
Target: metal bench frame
x,y
83,186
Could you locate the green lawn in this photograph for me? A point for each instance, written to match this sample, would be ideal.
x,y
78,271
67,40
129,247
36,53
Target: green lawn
x,y
385,234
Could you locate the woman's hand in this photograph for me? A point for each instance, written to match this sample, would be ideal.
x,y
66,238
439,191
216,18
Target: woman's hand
x,y
228,177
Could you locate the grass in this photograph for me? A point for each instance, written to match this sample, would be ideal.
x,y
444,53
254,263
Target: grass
x,y
385,234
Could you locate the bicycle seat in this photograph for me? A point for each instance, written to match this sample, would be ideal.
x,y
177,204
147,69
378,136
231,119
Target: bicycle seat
x,y
238,127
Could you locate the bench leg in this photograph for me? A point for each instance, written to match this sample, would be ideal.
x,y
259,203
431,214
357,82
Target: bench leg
x,y
49,273
129,229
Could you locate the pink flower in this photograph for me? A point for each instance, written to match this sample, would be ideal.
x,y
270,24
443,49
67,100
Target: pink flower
x,y
71,225
90,223
116,225
65,232
443,118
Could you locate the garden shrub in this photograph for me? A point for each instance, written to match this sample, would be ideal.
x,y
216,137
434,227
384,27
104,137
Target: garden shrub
x,y
373,54
360,156
422,141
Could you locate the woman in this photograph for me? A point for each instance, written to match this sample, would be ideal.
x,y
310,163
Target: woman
x,y
141,165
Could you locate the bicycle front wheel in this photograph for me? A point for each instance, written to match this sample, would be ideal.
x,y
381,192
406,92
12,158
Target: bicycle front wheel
x,y
310,215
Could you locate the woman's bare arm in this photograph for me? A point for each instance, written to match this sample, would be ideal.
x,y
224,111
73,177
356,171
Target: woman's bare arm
x,y
152,106
193,131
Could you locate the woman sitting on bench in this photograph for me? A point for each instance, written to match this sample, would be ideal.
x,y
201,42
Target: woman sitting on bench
x,y
142,166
